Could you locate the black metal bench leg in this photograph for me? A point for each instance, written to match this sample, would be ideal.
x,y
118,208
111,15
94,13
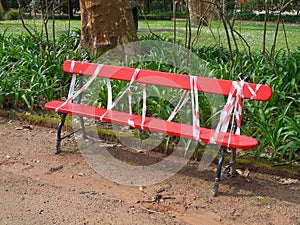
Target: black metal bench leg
x,y
230,170
84,135
214,191
58,138
232,163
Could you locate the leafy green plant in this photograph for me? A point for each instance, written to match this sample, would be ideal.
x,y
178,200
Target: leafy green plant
x,y
12,14
292,137
27,80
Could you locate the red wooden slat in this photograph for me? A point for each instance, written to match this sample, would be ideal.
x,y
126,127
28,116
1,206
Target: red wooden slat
x,y
205,84
153,124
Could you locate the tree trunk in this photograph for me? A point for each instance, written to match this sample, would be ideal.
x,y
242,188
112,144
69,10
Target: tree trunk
x,y
201,11
106,24
67,8
5,5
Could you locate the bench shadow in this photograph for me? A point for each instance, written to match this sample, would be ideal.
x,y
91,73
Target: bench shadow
x,y
259,185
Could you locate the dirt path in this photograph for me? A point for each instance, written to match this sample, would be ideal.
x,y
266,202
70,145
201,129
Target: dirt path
x,y
38,187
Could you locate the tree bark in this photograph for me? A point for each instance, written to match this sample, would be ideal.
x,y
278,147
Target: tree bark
x,y
4,5
201,11
106,24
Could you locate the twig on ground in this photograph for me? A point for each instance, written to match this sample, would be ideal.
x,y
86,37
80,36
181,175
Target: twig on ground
x,y
151,211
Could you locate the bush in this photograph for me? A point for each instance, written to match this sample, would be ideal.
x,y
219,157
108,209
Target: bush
x,y
248,15
12,14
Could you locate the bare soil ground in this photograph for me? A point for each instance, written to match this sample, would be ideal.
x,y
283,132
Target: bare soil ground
x,y
39,187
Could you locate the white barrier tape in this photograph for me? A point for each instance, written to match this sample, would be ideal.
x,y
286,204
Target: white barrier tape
x,y
130,121
144,105
234,106
111,104
72,86
83,88
109,95
73,81
183,99
195,107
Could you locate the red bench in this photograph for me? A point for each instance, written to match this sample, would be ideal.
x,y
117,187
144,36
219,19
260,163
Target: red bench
x,y
236,92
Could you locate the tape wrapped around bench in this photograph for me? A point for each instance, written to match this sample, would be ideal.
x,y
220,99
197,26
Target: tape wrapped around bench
x,y
154,124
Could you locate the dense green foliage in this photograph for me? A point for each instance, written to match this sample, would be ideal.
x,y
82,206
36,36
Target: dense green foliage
x,y
12,14
244,15
248,15
28,75
31,76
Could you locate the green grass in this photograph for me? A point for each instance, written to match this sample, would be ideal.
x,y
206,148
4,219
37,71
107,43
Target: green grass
x,y
15,26
251,31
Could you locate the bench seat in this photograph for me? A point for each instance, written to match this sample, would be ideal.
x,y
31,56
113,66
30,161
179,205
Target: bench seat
x,y
153,124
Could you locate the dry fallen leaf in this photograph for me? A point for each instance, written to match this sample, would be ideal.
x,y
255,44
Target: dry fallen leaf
x,y
287,181
248,179
142,188
160,189
28,127
245,174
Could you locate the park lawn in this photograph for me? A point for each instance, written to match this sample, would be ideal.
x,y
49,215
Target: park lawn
x,y
252,32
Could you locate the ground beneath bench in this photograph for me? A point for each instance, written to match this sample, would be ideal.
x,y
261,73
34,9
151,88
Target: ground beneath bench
x,y
38,187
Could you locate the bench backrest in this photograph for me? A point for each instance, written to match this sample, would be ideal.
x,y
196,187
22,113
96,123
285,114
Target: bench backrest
x,y
181,81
